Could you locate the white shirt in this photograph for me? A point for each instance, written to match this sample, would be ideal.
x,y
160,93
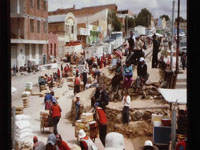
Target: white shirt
x,y
127,102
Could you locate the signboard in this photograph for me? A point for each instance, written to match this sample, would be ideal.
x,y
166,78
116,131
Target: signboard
x,y
161,135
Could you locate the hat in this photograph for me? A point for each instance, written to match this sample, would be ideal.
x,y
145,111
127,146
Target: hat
x,y
51,139
35,138
48,91
141,59
114,141
180,136
77,95
148,143
96,104
81,133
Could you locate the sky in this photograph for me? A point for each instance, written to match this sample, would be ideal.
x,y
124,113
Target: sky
x,y
156,7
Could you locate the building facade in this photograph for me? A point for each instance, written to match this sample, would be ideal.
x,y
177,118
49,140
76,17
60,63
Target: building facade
x,y
29,31
52,47
65,26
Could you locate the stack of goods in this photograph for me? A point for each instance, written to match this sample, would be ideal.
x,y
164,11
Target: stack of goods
x,y
43,87
25,102
84,123
44,117
19,110
25,98
29,86
23,135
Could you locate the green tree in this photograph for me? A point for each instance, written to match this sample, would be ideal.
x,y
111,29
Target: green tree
x,y
144,18
181,19
112,19
131,22
166,17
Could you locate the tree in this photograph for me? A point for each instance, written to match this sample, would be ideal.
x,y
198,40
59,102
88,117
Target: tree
x,y
113,20
144,18
181,19
131,22
166,17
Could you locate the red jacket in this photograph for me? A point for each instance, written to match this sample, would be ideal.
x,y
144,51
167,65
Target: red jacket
x,y
56,111
102,116
64,146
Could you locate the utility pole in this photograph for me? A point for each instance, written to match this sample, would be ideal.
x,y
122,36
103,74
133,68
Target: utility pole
x,y
177,47
172,36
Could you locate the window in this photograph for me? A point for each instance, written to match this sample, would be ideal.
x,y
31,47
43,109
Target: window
x,y
38,4
51,49
32,25
45,5
38,26
32,3
54,50
45,27
33,51
72,31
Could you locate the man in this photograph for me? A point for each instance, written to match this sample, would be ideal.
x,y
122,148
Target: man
x,y
38,145
77,83
131,42
142,71
101,119
104,98
84,75
126,105
155,52
61,144
51,143
138,50
181,144
77,105
55,112
48,100
96,95
85,142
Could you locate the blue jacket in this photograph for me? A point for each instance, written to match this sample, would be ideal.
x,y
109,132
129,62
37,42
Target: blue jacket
x,y
48,97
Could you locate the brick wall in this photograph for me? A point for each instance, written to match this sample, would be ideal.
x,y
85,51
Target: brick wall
x,y
52,44
56,27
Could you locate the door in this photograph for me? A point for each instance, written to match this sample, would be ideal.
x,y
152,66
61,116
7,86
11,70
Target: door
x,y
13,55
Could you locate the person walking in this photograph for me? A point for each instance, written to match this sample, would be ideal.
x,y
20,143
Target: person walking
x,y
126,105
48,100
155,52
62,145
38,145
131,42
51,142
101,119
85,142
77,105
77,83
183,60
55,112
58,74
84,75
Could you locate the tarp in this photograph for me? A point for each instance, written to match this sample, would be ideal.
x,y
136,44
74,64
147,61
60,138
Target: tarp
x,y
174,95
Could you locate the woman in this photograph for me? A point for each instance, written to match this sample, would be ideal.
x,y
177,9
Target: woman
x,y
126,103
118,75
128,73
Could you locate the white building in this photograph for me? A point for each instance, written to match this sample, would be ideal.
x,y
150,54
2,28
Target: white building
x,y
140,30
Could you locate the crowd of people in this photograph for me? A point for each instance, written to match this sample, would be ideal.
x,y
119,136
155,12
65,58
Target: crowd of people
x,y
123,79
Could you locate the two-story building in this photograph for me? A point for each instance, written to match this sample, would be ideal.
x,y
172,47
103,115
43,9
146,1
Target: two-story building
x,y
29,31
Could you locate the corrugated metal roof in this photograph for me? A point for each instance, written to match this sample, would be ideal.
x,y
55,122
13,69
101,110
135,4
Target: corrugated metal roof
x,y
56,18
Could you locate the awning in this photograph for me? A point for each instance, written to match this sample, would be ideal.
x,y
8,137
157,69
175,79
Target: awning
x,y
174,95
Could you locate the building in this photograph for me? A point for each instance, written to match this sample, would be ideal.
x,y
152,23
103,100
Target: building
x,y
29,31
65,26
52,47
140,30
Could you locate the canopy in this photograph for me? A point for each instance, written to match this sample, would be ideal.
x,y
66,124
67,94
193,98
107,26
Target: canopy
x,y
174,95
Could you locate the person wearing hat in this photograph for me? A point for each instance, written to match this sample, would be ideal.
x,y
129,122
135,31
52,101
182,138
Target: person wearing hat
x,y
155,52
181,144
142,72
101,119
77,105
138,50
148,145
38,145
51,143
85,142
118,76
114,141
48,100
61,144
55,113
84,77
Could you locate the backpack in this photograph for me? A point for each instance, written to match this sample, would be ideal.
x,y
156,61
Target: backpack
x,y
77,81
